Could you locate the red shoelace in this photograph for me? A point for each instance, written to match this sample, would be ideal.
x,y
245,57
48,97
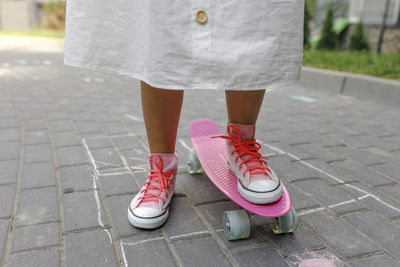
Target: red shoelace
x,y
247,147
157,180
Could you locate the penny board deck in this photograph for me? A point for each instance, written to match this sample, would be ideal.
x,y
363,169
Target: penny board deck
x,y
212,156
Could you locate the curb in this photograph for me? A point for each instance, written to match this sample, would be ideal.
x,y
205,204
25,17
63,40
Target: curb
x,y
361,86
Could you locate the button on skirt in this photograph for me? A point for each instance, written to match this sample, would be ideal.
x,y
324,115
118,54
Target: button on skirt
x,y
189,44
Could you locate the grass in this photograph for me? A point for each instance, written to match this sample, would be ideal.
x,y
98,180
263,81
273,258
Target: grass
x,y
35,33
370,63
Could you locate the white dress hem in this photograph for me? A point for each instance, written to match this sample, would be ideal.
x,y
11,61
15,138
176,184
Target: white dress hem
x,y
145,78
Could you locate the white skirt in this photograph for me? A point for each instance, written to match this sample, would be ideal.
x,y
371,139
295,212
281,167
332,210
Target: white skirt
x,y
189,44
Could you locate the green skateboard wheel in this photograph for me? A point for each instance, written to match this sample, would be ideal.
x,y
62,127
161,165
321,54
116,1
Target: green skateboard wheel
x,y
286,223
236,224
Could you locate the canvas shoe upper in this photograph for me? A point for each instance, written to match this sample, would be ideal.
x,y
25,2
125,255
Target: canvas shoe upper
x,y
149,208
257,182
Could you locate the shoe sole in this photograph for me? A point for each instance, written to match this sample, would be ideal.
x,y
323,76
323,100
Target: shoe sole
x,y
147,223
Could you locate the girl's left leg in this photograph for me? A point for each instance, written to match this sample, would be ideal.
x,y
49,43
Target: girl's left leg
x,y
244,106
257,182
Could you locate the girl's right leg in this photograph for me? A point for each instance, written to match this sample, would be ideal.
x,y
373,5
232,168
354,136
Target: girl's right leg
x,y
161,112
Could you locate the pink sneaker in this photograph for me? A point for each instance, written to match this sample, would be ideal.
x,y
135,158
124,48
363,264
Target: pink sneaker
x,y
257,182
149,208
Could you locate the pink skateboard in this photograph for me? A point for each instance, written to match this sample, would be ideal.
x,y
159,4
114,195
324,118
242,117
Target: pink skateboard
x,y
209,157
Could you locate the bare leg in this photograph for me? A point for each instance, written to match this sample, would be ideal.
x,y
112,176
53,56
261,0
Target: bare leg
x,y
161,112
243,106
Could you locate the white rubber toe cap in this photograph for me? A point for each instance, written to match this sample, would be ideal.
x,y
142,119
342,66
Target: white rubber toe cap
x,y
138,220
261,197
147,212
263,186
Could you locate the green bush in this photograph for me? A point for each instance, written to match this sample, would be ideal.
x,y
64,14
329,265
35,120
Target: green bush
x,y
328,39
307,18
54,17
358,40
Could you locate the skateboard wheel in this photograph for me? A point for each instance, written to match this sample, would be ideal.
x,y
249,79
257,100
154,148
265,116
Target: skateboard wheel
x,y
236,224
194,163
286,223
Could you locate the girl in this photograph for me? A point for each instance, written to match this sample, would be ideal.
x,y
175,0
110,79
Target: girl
x,y
240,46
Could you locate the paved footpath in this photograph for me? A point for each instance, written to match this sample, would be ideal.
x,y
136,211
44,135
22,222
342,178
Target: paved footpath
x,y
73,154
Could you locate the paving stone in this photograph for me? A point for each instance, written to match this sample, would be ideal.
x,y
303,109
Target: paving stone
x,y
320,153
141,251
329,196
60,126
182,220
70,155
8,135
43,258
377,201
255,239
9,151
346,243
317,258
363,173
287,170
66,139
76,178
7,193
31,114
131,142
35,236
99,253
136,159
93,143
118,184
106,158
114,128
213,212
390,170
258,257
362,156
300,200
3,236
207,253
102,114
199,189
327,172
80,116
34,125
36,137
8,171
298,242
286,149
381,156
118,206
38,174
380,260
37,206
83,210
87,127
379,230
37,153
56,115
391,190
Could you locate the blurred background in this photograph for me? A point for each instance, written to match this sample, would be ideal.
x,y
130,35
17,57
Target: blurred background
x,y
361,36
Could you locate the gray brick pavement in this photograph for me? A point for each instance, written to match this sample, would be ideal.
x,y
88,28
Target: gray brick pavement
x,y
83,157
